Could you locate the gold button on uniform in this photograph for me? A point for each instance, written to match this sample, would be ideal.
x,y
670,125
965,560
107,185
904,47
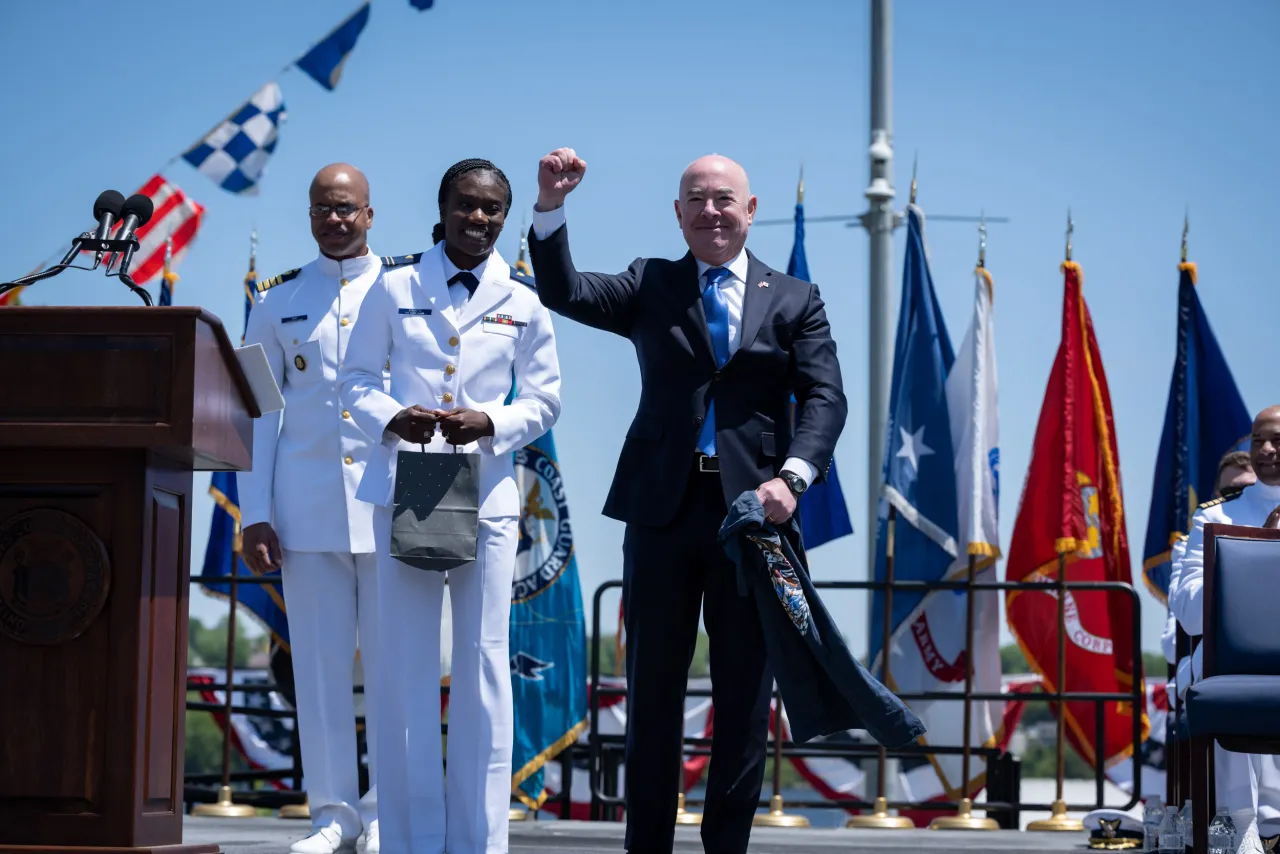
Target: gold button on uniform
x,y
346,414
448,397
343,282
348,460
449,369
453,341
345,322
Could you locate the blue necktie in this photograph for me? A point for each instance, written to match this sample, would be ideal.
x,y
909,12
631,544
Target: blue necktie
x,y
717,311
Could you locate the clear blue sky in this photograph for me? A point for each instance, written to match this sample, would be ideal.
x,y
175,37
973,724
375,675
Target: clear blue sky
x,y
1126,113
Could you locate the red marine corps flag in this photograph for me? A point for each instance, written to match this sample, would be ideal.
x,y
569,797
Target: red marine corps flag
x,y
1072,516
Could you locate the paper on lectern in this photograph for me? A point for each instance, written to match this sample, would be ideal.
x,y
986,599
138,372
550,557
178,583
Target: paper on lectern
x,y
253,361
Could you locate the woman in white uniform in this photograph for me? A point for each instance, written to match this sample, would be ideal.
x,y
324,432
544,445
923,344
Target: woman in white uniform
x,y
455,329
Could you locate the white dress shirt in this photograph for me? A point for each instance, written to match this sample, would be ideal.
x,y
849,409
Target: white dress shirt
x,y
734,287
457,291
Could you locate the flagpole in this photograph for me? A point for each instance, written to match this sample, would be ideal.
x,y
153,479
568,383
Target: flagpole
x,y
776,816
683,816
964,819
879,221
225,807
880,818
1058,820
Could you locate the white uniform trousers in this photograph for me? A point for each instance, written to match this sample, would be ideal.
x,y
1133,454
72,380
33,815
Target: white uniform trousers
x,y
1248,784
420,811
329,597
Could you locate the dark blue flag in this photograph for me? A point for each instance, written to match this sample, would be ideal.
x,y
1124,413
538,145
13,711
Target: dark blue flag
x,y
1204,419
421,5
324,62
919,462
548,627
265,602
823,514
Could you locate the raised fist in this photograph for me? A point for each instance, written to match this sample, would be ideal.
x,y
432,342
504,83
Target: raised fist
x,y
558,173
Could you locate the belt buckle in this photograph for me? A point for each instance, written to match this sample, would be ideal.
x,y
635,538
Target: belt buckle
x,y
703,464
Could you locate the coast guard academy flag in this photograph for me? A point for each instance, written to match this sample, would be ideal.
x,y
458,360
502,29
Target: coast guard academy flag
x,y
934,658
234,154
548,629
324,62
1204,420
823,514
1072,516
919,467
265,602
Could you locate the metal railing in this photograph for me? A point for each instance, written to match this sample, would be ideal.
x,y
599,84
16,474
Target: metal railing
x,y
604,753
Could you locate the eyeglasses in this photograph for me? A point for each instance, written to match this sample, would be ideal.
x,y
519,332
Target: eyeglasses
x,y
343,211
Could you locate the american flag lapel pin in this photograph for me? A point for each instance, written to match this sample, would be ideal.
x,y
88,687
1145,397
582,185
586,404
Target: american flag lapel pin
x,y
762,284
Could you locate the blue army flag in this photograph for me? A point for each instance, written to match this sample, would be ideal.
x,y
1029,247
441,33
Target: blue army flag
x,y
548,628
325,61
1204,419
264,601
918,472
823,514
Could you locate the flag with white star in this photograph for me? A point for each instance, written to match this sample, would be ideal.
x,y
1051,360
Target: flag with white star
x,y
919,463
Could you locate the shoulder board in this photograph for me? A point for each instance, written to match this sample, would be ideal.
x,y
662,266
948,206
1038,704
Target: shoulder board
x,y
400,260
1223,499
523,278
268,284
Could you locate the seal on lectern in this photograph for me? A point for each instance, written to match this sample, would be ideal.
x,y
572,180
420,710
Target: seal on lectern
x,y
54,576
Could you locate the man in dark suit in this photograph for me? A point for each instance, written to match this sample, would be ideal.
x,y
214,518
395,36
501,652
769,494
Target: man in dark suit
x,y
723,341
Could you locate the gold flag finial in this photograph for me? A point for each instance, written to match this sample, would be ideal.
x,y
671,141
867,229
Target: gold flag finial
x,y
1070,228
1186,227
915,161
800,187
982,240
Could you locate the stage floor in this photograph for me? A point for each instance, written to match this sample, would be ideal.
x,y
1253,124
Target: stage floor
x,y
272,836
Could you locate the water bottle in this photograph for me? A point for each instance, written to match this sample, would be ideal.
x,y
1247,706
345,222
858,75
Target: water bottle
x,y
1184,828
1170,838
1151,816
1222,833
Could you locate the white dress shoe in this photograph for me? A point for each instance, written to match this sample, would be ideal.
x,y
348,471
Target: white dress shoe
x,y
326,840
371,845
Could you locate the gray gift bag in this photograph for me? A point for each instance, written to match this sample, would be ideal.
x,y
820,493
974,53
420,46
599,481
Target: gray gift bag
x,y
436,514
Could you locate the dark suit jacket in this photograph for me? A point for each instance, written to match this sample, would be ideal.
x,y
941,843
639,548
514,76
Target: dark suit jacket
x,y
784,348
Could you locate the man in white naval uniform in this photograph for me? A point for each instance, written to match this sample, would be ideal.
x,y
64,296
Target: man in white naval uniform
x,y
1235,472
457,331
1246,784
300,513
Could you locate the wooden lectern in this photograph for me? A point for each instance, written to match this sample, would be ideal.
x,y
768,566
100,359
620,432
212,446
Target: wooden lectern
x,y
104,415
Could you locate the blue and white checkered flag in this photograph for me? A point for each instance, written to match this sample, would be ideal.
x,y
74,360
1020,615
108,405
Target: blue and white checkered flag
x,y
234,154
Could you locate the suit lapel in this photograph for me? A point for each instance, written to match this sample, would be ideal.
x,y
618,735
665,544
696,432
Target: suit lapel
x,y
494,287
755,301
431,281
697,314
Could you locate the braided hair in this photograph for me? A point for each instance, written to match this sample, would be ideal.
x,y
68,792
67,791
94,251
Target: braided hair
x,y
451,177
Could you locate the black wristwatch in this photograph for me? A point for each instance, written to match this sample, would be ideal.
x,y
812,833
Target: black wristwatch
x,y
795,483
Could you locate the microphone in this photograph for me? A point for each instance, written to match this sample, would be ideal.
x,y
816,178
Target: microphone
x,y
106,210
137,212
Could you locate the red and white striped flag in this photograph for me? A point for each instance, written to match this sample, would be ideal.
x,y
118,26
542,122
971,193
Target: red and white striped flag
x,y
176,215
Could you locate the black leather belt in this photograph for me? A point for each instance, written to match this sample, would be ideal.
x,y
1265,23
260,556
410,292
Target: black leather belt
x,y
707,464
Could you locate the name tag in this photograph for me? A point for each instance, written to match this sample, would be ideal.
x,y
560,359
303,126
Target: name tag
x,y
415,312
293,319
503,319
